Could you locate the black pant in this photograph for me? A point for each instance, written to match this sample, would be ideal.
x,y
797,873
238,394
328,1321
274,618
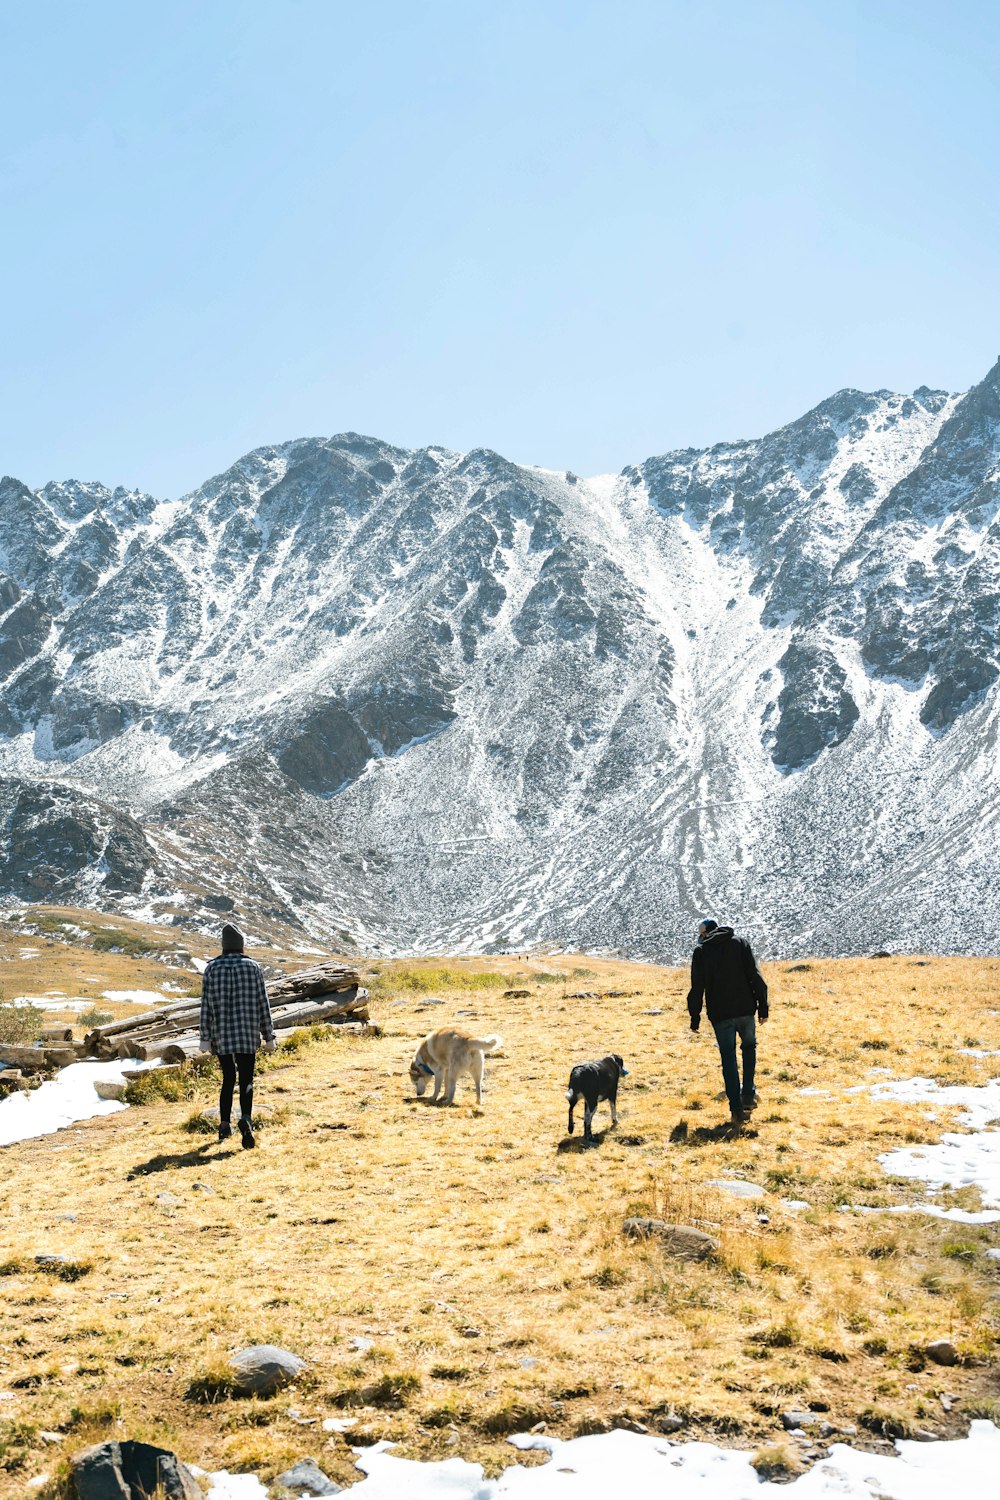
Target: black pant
x,y
230,1063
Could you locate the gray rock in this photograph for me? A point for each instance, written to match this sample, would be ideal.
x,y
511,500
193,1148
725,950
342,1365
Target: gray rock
x,y
306,1478
679,1240
792,1420
169,1200
942,1352
669,1422
131,1471
202,1187
265,1368
737,1188
51,1260
107,1089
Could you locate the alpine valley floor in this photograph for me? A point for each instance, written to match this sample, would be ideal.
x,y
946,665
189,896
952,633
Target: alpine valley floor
x,y
455,1276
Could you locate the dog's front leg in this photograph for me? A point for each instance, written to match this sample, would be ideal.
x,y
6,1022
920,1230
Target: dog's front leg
x,y
437,1085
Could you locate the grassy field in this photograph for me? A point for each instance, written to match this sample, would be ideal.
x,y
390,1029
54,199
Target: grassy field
x,y
453,1275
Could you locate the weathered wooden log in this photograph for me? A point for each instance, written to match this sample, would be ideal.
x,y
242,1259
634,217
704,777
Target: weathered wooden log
x,y
10,1075
60,1057
321,979
56,1034
30,1059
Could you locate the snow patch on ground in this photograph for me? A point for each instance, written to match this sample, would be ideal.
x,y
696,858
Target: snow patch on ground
x,y
63,1100
959,1159
138,997
590,1468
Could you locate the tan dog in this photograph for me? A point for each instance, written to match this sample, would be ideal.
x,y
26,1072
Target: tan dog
x,y
446,1053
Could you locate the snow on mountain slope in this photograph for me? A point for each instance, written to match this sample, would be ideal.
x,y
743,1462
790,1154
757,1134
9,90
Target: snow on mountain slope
x,y
428,699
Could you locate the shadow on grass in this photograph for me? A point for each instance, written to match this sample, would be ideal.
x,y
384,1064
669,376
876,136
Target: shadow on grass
x,y
708,1135
578,1144
169,1159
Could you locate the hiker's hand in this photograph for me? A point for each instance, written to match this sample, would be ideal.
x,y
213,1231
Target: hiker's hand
x,y
695,1022
271,1046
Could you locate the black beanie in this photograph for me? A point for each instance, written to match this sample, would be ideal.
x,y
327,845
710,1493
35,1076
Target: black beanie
x,y
232,939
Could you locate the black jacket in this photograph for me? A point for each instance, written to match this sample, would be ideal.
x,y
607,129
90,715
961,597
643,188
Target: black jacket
x,y
723,970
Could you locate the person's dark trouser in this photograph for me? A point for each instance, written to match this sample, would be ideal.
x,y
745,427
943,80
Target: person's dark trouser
x,y
726,1032
232,1063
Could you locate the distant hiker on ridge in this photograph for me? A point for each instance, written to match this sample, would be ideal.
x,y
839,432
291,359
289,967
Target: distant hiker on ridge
x,y
235,1016
724,971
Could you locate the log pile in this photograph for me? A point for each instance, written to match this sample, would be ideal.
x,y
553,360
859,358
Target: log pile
x,y
328,992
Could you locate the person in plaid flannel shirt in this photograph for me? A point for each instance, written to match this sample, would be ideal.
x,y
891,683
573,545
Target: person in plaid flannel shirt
x,y
235,1016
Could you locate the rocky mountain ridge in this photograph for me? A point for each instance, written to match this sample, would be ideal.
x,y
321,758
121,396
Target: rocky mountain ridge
x,y
424,700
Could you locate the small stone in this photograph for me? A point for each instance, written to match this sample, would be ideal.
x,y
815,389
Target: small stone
x,y
946,1402
629,1424
169,1200
306,1478
529,1362
472,1333
339,1424
263,1369
201,1187
848,1430
65,1218
539,1427
942,1352
670,1422
50,1260
51,1437
791,1421
678,1240
736,1188
924,1435
362,1345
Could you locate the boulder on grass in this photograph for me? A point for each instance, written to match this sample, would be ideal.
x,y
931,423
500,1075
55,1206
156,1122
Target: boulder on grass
x,y
305,1478
679,1240
264,1368
132,1471
106,1088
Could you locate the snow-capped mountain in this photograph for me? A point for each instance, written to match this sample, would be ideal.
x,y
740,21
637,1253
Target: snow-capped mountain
x,y
430,700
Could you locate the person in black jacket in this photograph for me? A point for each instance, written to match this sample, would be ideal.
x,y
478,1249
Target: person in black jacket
x,y
725,974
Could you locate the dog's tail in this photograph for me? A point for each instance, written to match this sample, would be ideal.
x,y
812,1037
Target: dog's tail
x,y
487,1043
570,1095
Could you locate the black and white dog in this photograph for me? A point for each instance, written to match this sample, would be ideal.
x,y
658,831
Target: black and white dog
x,y
592,1082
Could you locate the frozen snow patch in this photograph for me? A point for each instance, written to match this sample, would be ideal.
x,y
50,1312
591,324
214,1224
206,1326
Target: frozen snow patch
x,y
588,1468
62,1101
959,1159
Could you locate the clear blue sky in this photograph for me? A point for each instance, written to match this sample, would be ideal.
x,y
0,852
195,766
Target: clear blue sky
x,y
576,231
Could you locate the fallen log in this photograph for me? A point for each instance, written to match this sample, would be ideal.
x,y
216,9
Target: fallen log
x,y
56,1034
319,984
321,979
30,1059
60,1057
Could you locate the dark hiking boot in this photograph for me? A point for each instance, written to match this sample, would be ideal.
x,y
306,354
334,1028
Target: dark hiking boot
x,y
225,1130
749,1105
247,1135
737,1120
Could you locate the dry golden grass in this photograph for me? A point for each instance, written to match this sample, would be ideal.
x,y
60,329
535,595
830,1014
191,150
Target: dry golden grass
x,y
481,1252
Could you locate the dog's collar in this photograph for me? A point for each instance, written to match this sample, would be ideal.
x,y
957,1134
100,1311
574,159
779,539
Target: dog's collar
x,y
624,1072
423,1067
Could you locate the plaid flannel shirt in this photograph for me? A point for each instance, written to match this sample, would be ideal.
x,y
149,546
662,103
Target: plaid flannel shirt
x,y
234,1009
